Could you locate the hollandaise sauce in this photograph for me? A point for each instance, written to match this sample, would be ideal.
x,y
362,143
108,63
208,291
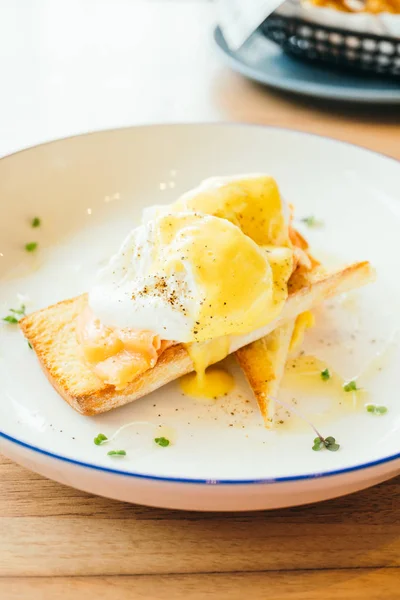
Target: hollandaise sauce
x,y
243,270
213,383
205,381
317,392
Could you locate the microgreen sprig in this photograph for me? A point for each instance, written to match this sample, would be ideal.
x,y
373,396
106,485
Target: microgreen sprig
x,y
162,441
325,375
376,409
31,246
100,439
319,442
116,453
329,443
12,319
351,386
19,311
311,221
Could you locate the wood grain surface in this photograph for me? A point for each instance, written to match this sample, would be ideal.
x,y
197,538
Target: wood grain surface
x,y
57,543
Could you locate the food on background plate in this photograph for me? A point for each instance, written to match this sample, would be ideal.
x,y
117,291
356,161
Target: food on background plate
x,y
220,270
340,29
358,6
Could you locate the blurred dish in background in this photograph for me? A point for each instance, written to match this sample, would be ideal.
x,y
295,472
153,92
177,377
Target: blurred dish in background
x,y
357,35
265,62
349,34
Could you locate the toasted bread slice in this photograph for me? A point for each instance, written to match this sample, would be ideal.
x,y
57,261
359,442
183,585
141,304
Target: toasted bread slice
x,y
263,363
52,334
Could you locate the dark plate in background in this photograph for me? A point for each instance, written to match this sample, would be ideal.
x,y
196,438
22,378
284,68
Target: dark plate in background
x,y
265,62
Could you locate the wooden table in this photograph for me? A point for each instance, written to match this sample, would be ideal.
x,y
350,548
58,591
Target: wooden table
x,y
59,543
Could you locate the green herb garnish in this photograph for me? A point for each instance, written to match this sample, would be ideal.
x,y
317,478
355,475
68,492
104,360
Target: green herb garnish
x,y
116,453
19,311
10,319
325,375
329,443
35,222
98,440
376,409
31,246
16,311
30,345
162,441
350,387
311,221
319,442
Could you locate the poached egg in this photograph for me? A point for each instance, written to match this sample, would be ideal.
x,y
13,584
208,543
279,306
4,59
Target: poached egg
x,y
213,264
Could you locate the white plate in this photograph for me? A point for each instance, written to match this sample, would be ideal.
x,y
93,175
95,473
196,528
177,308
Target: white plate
x,y
88,192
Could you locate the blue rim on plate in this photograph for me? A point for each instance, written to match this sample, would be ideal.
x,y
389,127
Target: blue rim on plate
x,y
148,477
265,62
308,476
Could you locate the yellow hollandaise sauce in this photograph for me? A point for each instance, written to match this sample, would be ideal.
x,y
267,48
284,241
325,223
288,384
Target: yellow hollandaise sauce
x,y
252,203
208,382
212,383
234,278
244,271
304,321
304,372
312,381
